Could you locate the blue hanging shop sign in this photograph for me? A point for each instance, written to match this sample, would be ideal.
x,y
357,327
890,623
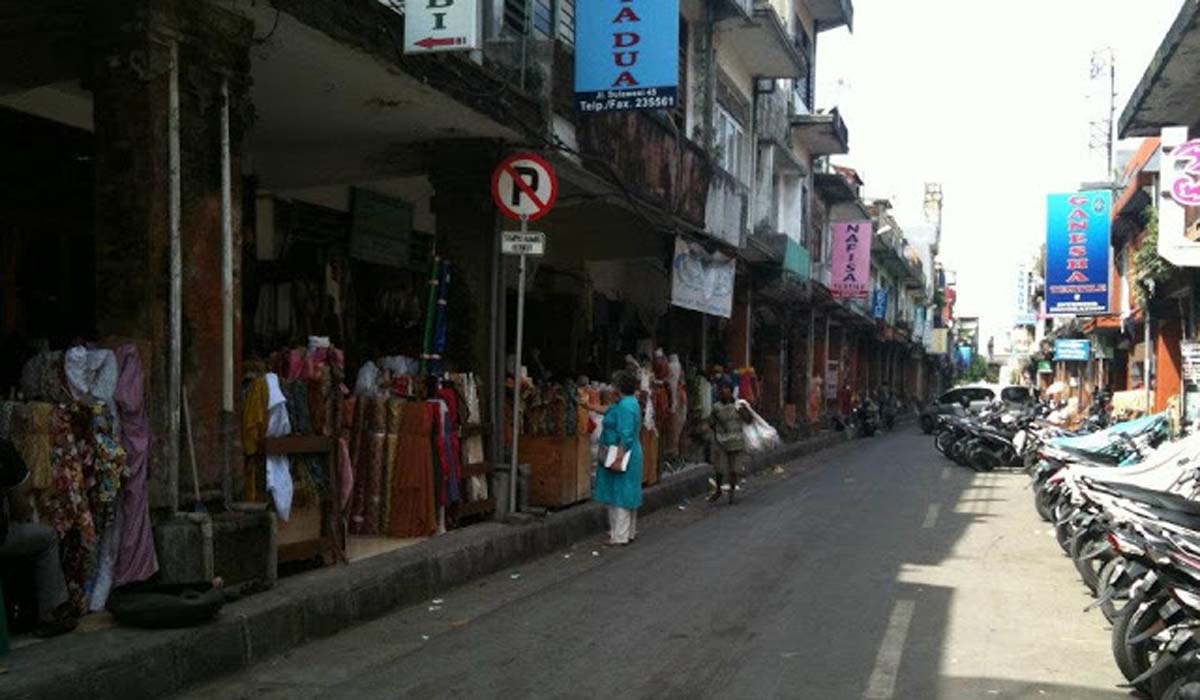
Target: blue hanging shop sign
x,y
626,55
1077,249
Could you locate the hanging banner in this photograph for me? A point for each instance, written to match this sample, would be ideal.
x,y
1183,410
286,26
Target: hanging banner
x,y
940,344
879,304
1072,350
702,281
1023,314
850,274
963,355
626,55
1077,249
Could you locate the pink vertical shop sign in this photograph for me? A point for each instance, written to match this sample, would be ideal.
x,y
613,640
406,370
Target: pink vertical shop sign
x,y
850,272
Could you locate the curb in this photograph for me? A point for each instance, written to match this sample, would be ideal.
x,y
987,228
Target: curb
x,y
127,664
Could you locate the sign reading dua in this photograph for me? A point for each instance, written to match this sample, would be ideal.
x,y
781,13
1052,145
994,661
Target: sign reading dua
x,y
626,55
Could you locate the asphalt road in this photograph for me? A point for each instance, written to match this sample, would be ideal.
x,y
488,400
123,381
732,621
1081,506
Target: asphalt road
x,y
872,571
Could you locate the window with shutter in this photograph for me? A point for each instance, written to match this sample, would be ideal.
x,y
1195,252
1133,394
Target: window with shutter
x,y
679,114
566,21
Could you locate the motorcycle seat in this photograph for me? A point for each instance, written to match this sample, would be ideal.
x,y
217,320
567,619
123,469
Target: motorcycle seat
x,y
1189,521
1158,499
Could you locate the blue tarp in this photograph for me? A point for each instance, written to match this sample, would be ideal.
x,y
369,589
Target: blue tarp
x,y
1107,440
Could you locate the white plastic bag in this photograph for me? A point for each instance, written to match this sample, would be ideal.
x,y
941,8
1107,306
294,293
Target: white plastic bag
x,y
758,434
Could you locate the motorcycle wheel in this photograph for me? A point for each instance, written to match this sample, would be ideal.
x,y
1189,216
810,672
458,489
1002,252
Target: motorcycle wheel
x,y
1134,659
942,442
1116,603
1063,534
984,461
1044,504
1089,569
1172,681
1185,687
962,453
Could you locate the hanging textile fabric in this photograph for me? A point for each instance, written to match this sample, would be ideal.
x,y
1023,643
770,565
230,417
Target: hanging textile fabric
x,y
279,475
448,444
412,513
441,321
136,560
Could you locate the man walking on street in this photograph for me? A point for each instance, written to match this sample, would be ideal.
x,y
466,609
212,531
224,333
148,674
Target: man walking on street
x,y
730,448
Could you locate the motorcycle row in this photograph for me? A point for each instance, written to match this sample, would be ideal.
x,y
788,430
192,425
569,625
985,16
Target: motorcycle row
x,y
1125,505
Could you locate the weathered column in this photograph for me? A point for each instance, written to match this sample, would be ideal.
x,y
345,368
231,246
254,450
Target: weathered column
x,y
808,364
467,236
139,49
737,336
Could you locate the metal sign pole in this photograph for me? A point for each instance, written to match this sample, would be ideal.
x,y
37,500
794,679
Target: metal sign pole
x,y
516,433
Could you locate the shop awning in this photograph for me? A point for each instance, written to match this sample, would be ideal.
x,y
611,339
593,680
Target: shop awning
x,y
1169,91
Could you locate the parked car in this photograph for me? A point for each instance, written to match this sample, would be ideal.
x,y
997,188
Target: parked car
x,y
972,398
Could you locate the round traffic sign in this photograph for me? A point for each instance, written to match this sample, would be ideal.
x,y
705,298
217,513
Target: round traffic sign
x,y
524,186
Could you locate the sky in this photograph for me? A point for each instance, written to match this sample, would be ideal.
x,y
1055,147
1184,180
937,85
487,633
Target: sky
x,y
994,101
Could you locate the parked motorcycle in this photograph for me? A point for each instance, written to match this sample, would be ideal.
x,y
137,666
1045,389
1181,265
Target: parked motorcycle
x,y
864,419
1126,507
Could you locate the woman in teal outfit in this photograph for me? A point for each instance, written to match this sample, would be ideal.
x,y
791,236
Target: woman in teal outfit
x,y
622,491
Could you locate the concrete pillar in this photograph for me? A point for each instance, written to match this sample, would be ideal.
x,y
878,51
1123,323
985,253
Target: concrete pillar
x,y
808,364
467,235
737,335
131,49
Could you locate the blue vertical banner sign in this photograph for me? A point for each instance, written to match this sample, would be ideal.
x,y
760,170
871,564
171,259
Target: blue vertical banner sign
x,y
626,55
880,303
1077,250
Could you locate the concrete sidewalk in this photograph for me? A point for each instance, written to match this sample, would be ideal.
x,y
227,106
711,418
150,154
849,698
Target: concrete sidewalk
x,y
128,663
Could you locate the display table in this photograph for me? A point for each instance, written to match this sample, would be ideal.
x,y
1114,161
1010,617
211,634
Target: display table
x,y
316,529
560,469
649,457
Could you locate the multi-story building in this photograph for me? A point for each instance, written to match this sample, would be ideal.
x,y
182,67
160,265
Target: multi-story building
x,y
218,180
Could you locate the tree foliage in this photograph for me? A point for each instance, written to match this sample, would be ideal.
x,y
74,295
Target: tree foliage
x,y
1147,264
978,371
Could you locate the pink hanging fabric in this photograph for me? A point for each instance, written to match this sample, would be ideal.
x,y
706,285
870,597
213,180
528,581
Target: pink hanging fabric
x,y
136,560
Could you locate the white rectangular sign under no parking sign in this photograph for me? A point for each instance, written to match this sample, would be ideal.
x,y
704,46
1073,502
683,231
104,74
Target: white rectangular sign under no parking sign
x,y
523,243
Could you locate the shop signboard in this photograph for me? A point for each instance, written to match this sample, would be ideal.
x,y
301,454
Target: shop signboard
x,y
1189,351
963,354
1072,350
523,243
701,281
440,25
380,228
831,378
1044,367
940,344
879,304
1077,249
1024,316
850,273
1179,243
626,55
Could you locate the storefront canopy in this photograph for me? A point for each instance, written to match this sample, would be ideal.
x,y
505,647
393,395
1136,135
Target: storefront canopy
x,y
1169,91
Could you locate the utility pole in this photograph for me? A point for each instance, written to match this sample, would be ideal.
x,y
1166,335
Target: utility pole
x,y
1103,77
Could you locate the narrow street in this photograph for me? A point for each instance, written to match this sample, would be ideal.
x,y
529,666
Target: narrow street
x,y
873,570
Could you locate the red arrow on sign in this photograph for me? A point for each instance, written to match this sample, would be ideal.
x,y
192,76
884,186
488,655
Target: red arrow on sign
x,y
429,42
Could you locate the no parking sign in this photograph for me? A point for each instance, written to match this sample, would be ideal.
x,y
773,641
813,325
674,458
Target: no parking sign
x,y
524,186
